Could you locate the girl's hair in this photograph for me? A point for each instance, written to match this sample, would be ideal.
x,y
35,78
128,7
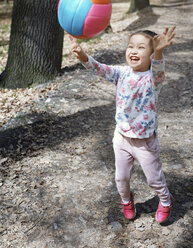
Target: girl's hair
x,y
147,33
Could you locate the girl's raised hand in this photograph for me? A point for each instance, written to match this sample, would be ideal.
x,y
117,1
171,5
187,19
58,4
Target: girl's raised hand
x,y
164,40
77,49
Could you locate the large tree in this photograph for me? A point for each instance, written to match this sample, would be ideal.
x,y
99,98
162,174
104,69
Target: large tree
x,y
136,5
36,42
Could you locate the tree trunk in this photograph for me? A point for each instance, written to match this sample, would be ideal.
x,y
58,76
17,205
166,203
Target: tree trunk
x,y
36,42
136,5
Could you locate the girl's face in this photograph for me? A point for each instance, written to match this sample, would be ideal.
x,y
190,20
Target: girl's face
x,y
138,53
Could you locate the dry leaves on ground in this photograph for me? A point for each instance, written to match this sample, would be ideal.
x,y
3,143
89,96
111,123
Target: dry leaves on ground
x,y
14,101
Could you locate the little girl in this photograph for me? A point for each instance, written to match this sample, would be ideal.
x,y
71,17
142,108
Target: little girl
x,y
135,136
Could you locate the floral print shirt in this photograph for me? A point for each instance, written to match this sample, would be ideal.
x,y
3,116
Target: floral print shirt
x,y
136,96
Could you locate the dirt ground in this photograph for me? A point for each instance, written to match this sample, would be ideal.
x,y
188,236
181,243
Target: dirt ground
x,y
57,184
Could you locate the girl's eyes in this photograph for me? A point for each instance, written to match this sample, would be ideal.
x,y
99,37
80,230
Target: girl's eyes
x,y
140,47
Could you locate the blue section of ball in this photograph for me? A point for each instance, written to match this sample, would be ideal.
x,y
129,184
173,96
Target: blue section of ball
x,y
71,18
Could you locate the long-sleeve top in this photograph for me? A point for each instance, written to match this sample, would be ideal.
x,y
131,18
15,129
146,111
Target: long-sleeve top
x,y
136,96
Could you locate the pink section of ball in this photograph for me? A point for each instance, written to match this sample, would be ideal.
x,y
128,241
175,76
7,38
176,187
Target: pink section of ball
x,y
97,20
58,6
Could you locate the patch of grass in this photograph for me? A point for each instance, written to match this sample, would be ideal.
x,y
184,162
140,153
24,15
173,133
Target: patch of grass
x,y
5,28
3,50
1,69
3,55
65,55
5,8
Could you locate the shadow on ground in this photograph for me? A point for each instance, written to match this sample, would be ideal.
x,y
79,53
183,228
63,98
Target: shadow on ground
x,y
50,130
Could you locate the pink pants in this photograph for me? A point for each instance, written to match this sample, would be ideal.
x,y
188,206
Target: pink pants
x,y
147,153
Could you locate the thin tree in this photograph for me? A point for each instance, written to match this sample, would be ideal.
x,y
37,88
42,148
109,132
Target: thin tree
x,y
136,5
36,42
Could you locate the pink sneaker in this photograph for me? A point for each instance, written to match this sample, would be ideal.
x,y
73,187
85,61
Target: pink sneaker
x,y
129,208
163,213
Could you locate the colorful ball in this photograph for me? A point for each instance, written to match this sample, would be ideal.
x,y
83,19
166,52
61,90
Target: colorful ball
x,y
84,18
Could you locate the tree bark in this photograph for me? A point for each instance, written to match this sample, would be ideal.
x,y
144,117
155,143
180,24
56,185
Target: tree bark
x,y
36,42
137,5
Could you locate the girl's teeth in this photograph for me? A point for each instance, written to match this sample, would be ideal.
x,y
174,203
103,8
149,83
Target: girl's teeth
x,y
134,58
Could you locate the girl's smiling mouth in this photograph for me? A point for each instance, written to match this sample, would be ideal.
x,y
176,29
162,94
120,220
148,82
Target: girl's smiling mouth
x,y
134,58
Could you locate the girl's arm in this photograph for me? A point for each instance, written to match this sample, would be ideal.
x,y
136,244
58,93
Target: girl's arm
x,y
158,71
160,42
77,50
112,73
